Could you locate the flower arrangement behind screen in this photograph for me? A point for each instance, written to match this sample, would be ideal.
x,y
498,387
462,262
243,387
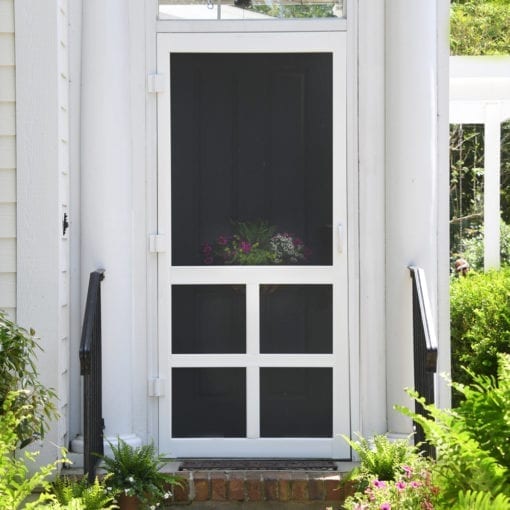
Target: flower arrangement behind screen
x,y
255,243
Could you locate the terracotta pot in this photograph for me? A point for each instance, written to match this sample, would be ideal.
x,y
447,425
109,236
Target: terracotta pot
x,y
128,502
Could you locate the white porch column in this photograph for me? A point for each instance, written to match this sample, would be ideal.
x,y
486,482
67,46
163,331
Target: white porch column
x,y
491,201
412,177
106,197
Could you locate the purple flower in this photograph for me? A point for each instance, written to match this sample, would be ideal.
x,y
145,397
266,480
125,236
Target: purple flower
x,y
385,506
208,260
379,484
245,246
206,249
297,242
222,240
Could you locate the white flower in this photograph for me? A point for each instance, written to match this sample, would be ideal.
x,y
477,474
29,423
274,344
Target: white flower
x,y
167,495
131,479
152,507
126,492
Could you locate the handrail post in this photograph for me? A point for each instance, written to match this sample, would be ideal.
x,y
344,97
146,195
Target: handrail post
x,y
90,369
425,350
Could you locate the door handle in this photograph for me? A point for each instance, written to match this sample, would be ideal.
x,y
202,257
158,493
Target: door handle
x,y
340,240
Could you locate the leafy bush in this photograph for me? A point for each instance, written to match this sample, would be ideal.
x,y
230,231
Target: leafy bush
x,y
480,323
472,443
18,373
480,27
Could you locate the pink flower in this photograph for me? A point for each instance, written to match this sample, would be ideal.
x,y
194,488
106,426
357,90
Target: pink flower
x,y
385,506
222,240
408,471
400,486
245,246
379,484
415,484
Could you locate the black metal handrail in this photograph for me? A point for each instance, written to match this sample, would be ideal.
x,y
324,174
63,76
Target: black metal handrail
x,y
90,369
425,349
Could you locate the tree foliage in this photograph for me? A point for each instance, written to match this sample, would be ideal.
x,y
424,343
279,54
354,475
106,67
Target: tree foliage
x,y
480,27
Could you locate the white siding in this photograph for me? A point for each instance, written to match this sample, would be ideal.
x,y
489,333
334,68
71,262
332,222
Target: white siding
x,y
7,160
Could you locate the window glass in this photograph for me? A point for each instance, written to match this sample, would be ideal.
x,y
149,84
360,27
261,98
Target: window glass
x,y
249,9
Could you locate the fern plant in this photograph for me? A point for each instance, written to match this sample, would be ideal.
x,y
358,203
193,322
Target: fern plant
x,y
383,457
472,441
473,500
92,496
17,483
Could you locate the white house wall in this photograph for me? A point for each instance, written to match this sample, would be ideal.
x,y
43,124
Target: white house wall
x,y
7,160
382,189
42,147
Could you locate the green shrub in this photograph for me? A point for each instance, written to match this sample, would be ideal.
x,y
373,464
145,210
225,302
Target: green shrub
x,y
480,322
18,373
472,442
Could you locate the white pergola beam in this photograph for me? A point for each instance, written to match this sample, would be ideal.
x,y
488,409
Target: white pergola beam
x,y
480,94
491,203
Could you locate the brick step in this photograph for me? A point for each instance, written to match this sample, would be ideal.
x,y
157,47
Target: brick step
x,y
260,489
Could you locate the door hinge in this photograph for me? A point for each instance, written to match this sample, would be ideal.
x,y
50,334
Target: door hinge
x,y
156,387
157,243
156,83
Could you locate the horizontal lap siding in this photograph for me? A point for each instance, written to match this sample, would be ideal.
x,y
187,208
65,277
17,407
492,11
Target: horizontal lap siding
x,y
7,160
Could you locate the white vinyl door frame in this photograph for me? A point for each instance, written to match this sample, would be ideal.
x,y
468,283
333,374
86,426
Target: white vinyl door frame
x,y
254,276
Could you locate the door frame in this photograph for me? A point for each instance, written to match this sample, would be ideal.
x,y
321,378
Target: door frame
x,y
300,42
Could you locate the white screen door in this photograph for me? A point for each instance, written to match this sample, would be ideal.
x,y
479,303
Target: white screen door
x,y
253,310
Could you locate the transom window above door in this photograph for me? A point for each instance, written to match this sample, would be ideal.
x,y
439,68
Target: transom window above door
x,y
249,9
251,158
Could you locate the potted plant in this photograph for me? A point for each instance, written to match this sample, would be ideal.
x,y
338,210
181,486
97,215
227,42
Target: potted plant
x,y
135,477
